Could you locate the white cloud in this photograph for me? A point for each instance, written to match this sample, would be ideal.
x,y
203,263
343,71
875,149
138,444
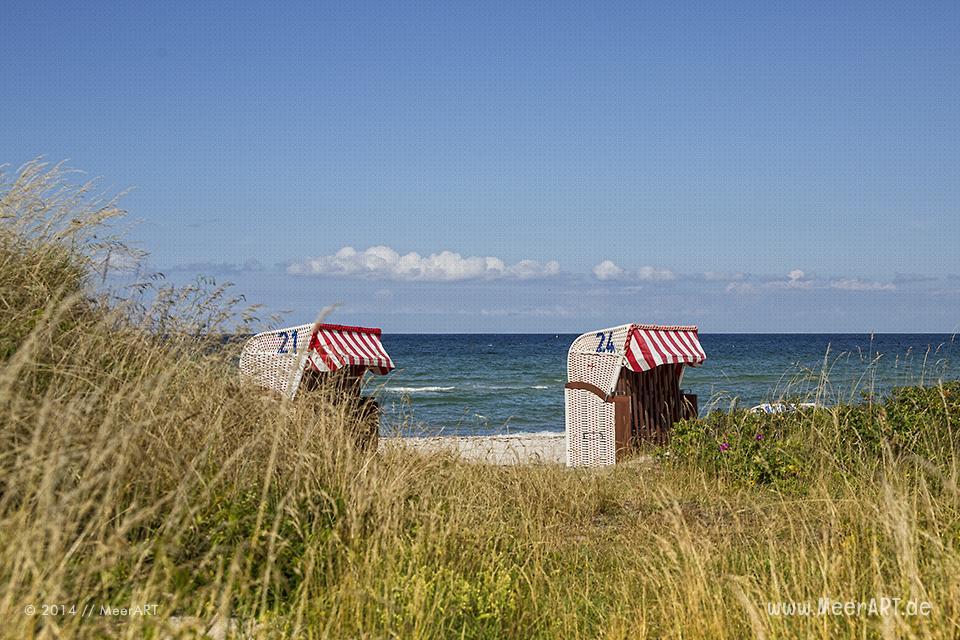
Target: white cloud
x,y
381,262
855,284
610,270
796,279
540,312
526,269
652,273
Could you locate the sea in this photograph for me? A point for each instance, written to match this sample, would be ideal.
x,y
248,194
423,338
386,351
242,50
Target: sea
x,y
485,384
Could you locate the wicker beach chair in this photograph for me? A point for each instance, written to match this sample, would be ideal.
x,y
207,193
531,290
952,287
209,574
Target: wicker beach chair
x,y
296,359
624,388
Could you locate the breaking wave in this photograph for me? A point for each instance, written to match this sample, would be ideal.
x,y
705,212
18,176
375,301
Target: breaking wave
x,y
412,390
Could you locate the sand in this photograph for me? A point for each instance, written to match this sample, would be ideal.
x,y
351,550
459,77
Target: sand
x,y
529,448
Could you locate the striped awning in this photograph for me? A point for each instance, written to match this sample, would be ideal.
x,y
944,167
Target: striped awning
x,y
650,346
333,346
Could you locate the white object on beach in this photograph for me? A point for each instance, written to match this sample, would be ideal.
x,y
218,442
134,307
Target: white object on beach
x,y
599,422
278,359
522,448
782,407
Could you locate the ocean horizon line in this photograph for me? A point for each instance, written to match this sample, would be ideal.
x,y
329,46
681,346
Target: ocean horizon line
x,y
952,333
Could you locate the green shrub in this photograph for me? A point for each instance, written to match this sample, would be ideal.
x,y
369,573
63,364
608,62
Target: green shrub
x,y
751,448
787,449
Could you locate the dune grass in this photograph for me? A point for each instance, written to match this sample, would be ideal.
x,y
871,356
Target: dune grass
x,y
138,469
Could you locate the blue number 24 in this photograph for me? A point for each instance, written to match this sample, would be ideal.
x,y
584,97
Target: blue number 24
x,y
609,347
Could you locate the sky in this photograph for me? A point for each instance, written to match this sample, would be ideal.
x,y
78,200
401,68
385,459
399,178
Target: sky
x,y
445,167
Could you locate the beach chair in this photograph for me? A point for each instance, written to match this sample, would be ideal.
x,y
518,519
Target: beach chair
x,y
624,388
299,359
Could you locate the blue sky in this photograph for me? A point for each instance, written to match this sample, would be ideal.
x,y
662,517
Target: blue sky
x,y
748,167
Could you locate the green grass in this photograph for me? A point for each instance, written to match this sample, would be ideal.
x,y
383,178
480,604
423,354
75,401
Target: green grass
x,y
137,467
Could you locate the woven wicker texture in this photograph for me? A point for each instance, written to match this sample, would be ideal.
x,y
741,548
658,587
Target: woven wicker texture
x,y
275,359
589,430
596,357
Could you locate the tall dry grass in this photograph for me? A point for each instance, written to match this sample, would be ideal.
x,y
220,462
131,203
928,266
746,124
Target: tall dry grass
x,y
136,468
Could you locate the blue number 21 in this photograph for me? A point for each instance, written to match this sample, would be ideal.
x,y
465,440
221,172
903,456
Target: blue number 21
x,y
609,347
284,338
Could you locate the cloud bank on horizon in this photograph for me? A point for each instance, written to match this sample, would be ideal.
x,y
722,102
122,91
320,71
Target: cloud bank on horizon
x,y
447,291
382,262
468,296
610,270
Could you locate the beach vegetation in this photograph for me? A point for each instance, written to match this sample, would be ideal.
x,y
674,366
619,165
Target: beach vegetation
x,y
140,473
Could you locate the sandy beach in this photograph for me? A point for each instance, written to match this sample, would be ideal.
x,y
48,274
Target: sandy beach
x,y
534,448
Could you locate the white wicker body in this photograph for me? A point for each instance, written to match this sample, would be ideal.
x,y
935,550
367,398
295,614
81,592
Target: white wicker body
x,y
589,418
276,359
589,430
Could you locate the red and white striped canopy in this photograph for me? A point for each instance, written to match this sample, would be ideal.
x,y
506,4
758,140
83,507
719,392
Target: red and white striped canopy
x,y
650,346
334,346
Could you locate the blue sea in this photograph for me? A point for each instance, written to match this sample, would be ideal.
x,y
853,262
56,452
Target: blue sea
x,y
479,384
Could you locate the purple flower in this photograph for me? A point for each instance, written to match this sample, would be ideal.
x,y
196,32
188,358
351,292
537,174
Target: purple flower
x,y
724,446
759,436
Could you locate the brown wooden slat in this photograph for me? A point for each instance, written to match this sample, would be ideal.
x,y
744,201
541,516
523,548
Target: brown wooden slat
x,y
654,402
621,424
586,386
